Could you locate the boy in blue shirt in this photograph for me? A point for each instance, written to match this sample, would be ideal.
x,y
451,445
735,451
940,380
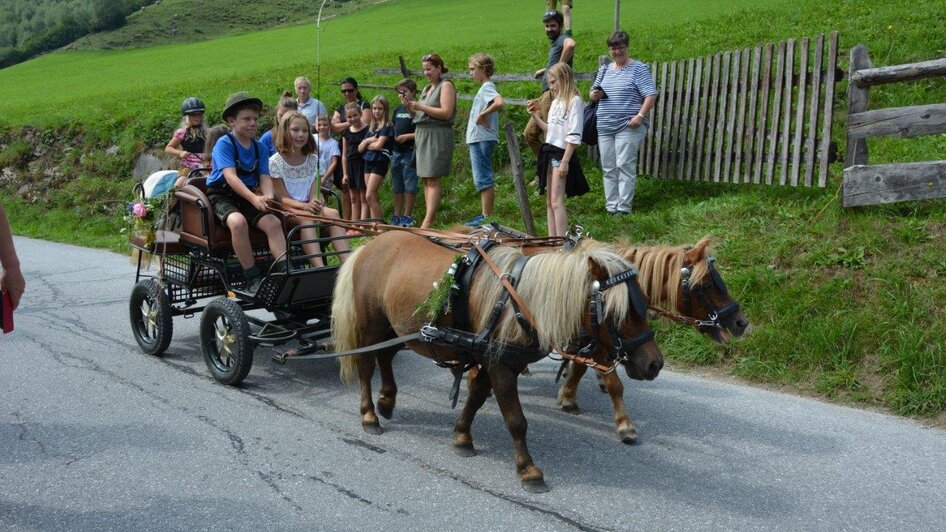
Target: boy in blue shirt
x,y
240,189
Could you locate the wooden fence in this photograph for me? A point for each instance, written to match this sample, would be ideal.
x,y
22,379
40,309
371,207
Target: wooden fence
x,y
888,183
758,115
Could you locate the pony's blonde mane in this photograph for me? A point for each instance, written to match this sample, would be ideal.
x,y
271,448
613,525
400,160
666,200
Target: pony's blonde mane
x,y
659,268
555,287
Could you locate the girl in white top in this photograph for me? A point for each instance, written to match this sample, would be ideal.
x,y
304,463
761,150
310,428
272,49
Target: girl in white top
x,y
562,131
295,171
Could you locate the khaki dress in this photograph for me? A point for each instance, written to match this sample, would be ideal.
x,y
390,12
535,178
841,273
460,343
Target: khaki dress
x,y
433,140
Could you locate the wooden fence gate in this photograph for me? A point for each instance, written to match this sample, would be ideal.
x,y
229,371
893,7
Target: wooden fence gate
x,y
888,183
757,115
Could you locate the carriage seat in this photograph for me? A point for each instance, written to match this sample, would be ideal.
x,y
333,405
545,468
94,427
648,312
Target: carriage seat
x,y
199,225
165,243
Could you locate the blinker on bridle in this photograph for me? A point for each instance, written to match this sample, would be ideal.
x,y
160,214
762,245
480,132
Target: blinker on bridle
x,y
622,348
701,293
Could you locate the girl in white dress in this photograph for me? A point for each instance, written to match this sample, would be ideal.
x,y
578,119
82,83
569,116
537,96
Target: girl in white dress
x,y
295,172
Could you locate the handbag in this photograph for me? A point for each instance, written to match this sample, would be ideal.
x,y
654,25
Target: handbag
x,y
589,131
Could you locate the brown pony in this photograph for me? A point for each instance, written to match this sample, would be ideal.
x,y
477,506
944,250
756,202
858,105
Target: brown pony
x,y
661,278
380,287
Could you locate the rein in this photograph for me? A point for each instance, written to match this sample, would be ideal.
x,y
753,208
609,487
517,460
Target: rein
x,y
447,238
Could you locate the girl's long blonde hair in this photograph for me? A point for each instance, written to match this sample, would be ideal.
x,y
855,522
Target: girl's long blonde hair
x,y
283,141
375,125
565,88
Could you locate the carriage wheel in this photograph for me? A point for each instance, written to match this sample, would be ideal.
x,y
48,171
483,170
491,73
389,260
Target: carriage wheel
x,y
150,313
225,341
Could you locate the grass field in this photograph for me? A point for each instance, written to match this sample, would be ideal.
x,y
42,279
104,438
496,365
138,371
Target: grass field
x,y
847,304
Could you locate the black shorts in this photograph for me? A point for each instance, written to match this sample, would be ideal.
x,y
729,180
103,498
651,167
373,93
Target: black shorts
x,y
377,167
356,174
226,202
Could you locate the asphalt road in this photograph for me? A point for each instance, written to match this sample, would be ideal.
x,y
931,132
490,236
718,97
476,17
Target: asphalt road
x,y
96,435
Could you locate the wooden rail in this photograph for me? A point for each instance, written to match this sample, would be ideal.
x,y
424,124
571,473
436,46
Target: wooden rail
x,y
865,184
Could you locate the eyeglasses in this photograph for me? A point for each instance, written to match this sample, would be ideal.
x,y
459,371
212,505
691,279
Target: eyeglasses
x,y
348,91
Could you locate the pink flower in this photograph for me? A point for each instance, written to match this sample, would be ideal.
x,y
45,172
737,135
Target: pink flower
x,y
139,210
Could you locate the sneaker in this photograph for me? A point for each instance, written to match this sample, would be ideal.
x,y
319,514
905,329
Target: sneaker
x,y
396,220
407,221
476,221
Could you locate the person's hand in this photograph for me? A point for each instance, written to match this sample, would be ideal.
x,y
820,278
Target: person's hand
x,y
532,106
596,94
636,121
563,168
13,283
326,180
345,180
482,120
260,203
314,206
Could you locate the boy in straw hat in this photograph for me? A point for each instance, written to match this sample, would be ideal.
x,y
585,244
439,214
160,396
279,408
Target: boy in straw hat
x,y
240,189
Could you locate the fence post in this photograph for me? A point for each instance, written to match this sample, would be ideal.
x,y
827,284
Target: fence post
x,y
518,177
404,70
857,103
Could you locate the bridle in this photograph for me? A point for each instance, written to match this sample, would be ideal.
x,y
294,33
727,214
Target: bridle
x,y
700,292
621,348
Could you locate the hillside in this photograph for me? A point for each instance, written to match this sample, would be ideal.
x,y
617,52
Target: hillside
x,y
845,304
188,21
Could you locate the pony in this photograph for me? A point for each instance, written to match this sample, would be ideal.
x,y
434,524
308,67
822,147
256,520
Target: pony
x,y
682,279
380,288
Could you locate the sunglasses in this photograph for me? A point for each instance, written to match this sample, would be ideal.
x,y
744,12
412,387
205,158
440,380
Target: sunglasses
x,y
427,57
348,91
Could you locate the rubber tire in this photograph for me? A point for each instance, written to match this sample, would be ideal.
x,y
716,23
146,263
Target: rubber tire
x,y
156,341
233,368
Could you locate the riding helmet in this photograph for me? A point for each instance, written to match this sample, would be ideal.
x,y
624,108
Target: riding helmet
x,y
192,105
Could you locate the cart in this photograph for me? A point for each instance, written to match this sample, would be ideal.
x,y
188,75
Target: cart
x,y
197,272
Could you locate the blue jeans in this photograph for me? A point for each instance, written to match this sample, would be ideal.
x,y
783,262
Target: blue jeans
x,y
403,175
481,157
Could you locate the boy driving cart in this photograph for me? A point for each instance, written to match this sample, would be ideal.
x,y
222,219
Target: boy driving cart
x,y
240,188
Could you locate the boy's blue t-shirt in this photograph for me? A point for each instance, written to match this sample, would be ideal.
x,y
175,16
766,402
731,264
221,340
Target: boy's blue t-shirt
x,y
223,158
267,141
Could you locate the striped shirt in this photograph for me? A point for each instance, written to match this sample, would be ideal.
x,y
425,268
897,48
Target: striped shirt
x,y
626,89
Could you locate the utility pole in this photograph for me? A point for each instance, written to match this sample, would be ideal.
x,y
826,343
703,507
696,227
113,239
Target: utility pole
x,y
617,15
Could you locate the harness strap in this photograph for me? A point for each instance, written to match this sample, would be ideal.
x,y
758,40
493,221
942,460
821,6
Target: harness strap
x,y
523,309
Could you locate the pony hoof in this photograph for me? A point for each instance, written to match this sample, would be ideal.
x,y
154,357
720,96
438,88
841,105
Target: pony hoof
x,y
385,411
465,451
571,408
628,437
535,485
372,428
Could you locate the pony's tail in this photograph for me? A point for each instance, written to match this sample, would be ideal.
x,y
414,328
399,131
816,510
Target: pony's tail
x,y
345,318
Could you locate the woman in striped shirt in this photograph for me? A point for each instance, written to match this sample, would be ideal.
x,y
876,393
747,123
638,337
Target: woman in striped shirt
x,y
625,92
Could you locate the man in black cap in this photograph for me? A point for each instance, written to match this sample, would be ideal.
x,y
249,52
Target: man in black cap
x,y
240,189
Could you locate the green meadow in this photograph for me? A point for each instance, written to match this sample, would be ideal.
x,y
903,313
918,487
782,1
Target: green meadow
x,y
845,304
